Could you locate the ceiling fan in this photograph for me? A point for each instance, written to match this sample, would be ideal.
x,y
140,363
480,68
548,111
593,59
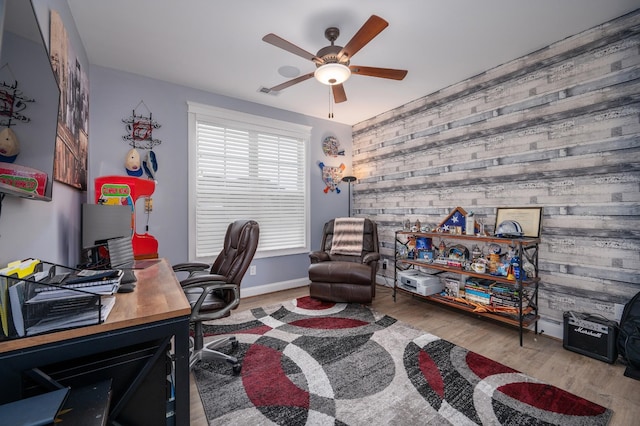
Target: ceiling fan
x,y
333,62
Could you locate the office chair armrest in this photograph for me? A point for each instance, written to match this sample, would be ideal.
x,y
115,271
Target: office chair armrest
x,y
319,256
209,284
370,257
193,268
199,274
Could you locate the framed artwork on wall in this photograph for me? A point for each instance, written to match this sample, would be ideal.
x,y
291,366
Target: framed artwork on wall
x,y
71,155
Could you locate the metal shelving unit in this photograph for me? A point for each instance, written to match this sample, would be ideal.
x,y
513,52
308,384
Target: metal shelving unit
x,y
527,289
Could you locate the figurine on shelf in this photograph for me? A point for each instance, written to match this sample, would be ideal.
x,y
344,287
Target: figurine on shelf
x,y
515,265
442,249
475,252
411,247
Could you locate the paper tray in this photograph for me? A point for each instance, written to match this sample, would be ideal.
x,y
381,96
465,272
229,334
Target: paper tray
x,y
71,308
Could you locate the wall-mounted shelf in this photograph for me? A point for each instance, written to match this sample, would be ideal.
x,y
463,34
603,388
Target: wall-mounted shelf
x,y
17,192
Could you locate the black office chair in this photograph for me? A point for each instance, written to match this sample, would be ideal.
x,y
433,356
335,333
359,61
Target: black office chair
x,y
213,291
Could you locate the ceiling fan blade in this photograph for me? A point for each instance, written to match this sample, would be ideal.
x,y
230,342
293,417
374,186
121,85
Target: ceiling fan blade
x,y
290,47
291,82
365,34
378,72
339,94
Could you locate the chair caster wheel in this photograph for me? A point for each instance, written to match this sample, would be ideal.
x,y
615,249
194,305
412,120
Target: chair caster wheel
x,y
237,368
234,344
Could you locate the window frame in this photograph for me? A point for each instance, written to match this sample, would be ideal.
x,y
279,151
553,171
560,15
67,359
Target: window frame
x,y
236,119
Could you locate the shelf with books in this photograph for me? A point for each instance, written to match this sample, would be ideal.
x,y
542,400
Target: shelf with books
x,y
498,281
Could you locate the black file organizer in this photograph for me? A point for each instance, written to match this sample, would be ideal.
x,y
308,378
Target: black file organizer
x,y
83,304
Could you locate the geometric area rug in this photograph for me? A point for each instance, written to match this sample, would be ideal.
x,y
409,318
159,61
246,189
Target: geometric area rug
x,y
306,362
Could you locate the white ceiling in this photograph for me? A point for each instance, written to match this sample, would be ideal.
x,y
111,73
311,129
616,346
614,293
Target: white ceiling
x,y
217,46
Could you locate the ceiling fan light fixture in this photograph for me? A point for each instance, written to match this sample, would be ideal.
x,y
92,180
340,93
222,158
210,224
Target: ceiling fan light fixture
x,y
332,73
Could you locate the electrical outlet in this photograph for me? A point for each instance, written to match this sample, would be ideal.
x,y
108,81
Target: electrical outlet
x,y
252,270
385,263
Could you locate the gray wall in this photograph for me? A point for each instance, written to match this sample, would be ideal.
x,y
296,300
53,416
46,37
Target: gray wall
x,y
114,94
45,230
51,230
559,129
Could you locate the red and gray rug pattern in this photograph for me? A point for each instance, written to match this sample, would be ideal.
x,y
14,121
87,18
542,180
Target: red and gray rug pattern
x,y
307,362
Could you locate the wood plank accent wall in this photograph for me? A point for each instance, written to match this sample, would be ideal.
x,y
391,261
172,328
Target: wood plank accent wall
x,y
559,128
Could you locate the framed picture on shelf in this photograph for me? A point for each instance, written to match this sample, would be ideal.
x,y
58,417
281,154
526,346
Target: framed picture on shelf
x,y
529,218
425,254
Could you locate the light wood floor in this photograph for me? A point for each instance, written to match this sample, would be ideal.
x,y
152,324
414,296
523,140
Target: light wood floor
x,y
541,357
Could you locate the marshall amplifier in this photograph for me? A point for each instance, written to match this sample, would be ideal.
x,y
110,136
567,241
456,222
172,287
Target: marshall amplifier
x,y
591,335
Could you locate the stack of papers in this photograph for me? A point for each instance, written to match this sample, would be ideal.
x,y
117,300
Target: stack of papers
x,y
35,301
80,284
85,317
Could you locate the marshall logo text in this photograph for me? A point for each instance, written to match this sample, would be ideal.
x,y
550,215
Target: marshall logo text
x,y
591,333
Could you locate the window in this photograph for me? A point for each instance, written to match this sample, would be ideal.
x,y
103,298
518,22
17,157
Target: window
x,y
251,167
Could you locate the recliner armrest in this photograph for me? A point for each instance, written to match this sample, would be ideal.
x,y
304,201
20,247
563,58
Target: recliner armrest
x,y
319,256
370,257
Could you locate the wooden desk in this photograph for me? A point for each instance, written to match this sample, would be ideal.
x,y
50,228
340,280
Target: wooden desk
x,y
157,309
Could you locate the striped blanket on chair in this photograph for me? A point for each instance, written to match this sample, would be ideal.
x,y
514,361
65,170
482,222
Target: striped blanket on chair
x,y
348,233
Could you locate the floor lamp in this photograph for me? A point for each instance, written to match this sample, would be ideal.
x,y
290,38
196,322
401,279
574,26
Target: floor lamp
x,y
349,179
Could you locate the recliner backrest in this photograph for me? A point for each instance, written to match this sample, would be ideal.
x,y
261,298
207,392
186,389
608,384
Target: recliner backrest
x,y
369,241
240,244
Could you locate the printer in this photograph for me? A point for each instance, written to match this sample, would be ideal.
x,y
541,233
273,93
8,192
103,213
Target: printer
x,y
419,282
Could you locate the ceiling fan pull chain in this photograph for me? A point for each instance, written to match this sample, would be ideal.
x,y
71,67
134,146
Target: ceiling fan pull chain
x,y
330,104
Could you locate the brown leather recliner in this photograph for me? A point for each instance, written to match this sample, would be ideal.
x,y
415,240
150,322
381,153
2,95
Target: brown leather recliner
x,y
344,278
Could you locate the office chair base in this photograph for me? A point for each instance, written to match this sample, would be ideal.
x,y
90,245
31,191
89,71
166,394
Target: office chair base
x,y
208,353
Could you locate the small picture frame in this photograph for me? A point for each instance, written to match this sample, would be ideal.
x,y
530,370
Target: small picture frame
x,y
425,254
529,218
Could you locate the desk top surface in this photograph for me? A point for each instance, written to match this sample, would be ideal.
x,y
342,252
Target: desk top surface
x,y
158,296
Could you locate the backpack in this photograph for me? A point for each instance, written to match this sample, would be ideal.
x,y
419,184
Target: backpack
x,y
629,337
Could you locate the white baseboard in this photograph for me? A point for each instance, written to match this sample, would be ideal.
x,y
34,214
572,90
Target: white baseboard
x,y
273,287
551,329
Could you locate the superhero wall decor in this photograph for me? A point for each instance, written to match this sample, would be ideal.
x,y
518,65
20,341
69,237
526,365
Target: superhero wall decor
x,y
331,176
